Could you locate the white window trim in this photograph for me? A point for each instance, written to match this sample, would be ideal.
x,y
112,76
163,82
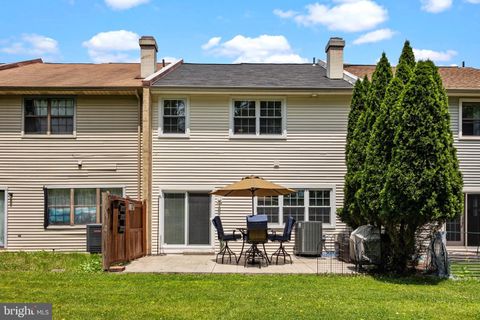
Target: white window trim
x,y
94,186
161,134
49,135
307,187
257,134
161,222
464,226
5,242
460,120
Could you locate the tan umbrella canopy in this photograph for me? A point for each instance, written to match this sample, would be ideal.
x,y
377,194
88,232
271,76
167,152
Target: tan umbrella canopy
x,y
252,186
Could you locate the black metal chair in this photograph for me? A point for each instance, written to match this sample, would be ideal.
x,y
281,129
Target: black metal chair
x,y
225,238
256,234
285,237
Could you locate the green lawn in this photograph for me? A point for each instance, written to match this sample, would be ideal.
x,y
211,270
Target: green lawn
x,y
78,291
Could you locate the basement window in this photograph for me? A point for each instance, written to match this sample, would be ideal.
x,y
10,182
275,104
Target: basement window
x,y
49,116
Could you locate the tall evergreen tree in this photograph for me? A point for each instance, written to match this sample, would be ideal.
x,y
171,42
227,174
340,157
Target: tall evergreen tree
x,y
423,183
406,63
379,150
380,81
349,213
379,153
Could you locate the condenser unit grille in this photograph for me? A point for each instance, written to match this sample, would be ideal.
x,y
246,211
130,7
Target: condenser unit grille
x,y
94,238
308,238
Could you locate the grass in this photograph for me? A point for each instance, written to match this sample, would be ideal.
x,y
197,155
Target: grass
x,y
81,292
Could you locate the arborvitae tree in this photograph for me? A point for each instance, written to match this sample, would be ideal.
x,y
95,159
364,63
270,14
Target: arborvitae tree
x,y
379,153
379,150
380,81
423,183
406,63
349,213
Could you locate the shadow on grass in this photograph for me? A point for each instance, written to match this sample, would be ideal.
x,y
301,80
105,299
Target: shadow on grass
x,y
411,279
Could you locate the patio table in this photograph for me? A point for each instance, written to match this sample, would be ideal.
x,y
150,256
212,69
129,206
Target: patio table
x,y
253,246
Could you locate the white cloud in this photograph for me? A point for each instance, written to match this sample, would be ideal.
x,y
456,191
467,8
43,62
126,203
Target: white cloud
x,y
124,4
112,46
344,15
213,42
436,6
284,14
32,45
263,49
437,56
375,36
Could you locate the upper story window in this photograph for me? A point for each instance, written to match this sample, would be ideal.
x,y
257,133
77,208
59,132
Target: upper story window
x,y
49,116
470,118
174,116
316,204
258,118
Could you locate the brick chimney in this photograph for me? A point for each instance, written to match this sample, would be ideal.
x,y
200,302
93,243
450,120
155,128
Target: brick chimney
x,y
148,52
334,50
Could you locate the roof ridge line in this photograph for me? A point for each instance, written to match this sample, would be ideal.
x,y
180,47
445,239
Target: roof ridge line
x,y
20,64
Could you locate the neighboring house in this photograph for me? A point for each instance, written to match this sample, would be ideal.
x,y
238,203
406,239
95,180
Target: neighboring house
x,y
171,134
67,132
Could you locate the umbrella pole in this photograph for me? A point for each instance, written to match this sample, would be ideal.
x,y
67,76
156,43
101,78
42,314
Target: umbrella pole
x,y
253,208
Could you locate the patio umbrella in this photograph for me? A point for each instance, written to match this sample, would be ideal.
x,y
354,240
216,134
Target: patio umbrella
x,y
252,186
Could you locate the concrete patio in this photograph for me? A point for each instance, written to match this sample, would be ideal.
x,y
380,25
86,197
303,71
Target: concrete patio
x,y
204,264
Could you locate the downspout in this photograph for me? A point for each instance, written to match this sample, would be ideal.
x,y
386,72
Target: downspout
x,y
139,147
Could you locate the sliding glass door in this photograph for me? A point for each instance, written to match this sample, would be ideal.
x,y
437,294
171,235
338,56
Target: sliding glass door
x,y
186,219
3,213
465,230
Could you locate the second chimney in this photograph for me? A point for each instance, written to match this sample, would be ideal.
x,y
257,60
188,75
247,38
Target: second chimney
x,y
148,52
334,50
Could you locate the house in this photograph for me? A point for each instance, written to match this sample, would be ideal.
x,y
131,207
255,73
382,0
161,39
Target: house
x,y
170,134
67,132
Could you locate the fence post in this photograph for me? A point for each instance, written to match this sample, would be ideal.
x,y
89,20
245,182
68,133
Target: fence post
x,y
106,250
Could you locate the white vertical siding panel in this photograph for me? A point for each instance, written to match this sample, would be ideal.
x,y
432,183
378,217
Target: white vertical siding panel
x,y
106,138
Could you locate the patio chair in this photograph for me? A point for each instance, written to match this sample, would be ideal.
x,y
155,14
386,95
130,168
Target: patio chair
x,y
225,238
256,234
285,237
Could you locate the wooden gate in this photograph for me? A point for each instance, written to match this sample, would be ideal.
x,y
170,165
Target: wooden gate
x,y
124,236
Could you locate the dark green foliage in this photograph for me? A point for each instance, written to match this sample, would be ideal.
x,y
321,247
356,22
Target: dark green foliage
x,y
406,63
379,152
423,184
380,80
353,154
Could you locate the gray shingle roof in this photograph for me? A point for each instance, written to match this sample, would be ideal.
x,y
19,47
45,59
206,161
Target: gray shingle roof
x,y
250,75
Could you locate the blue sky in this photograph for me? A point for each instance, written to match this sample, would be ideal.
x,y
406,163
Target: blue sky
x,y
447,31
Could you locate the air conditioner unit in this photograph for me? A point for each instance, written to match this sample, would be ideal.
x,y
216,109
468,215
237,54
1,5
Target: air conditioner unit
x,y
94,238
308,238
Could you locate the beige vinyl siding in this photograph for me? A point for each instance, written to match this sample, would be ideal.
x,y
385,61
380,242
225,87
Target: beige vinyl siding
x,y
312,153
107,144
468,149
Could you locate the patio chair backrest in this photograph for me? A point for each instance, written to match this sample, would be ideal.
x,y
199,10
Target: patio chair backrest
x,y
257,229
217,223
258,222
287,231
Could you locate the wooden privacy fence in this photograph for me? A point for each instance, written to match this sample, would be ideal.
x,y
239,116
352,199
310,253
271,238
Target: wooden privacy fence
x,y
123,230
